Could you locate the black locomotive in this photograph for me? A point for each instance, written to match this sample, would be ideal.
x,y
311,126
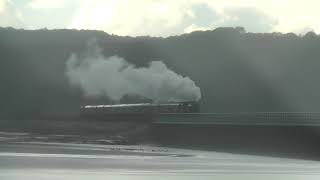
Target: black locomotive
x,y
140,109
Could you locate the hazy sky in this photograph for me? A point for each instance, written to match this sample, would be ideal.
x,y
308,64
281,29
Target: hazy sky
x,y
162,17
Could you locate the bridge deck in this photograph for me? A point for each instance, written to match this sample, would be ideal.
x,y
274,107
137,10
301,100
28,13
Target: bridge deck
x,y
259,118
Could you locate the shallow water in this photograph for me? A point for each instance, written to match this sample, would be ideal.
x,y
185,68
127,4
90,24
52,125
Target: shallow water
x,y
74,161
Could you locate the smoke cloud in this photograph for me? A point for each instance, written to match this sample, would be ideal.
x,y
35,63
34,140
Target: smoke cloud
x,y
114,77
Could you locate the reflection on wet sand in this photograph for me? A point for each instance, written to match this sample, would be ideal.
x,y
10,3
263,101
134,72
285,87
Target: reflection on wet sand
x,y
75,161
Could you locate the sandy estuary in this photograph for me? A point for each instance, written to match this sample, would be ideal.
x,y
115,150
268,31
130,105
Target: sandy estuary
x,y
35,160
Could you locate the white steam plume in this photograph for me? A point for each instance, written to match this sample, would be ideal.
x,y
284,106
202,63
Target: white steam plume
x,y
114,77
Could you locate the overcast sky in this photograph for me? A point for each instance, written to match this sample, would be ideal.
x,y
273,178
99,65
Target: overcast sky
x,y
162,17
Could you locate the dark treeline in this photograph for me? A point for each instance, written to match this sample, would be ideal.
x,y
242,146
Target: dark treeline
x,y
236,71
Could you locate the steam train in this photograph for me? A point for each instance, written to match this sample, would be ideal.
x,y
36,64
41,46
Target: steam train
x,y
143,109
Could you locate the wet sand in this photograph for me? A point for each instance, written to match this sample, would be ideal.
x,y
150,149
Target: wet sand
x,y
86,161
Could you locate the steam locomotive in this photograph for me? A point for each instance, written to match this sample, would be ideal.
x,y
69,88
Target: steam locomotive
x,y
142,109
